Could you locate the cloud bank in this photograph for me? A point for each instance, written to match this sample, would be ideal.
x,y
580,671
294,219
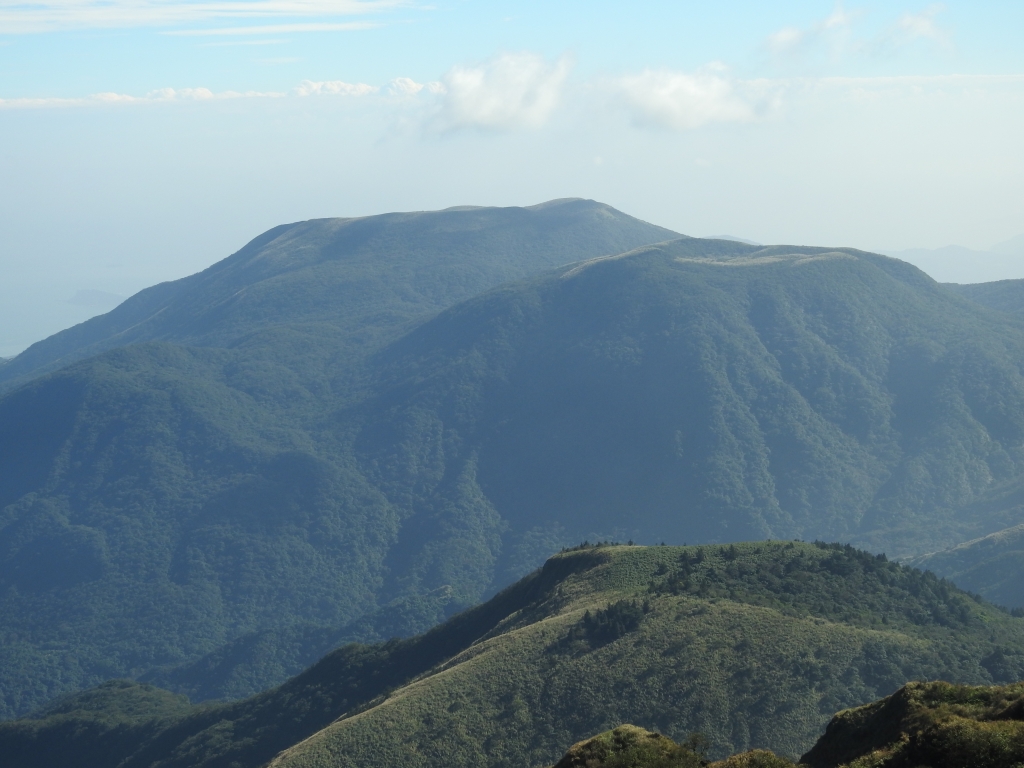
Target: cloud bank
x,y
35,16
334,88
161,95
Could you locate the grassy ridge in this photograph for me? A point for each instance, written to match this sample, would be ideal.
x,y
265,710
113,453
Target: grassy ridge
x,y
744,674
766,642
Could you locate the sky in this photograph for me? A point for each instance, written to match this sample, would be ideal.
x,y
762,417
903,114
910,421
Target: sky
x,y
143,140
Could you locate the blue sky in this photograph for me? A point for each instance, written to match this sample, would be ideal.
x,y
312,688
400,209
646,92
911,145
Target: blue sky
x,y
142,141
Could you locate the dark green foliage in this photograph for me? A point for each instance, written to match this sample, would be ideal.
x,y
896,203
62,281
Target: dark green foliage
x,y
630,747
251,732
606,625
870,591
758,393
95,728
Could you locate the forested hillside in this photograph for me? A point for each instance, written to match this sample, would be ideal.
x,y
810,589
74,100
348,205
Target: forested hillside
x,y
753,645
1002,295
295,448
188,497
702,391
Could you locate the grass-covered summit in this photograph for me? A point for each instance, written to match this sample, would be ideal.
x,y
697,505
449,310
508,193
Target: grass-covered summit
x,y
752,645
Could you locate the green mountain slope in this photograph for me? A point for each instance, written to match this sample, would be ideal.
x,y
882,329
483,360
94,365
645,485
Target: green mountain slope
x,y
992,566
357,281
696,391
755,645
1003,295
269,493
185,499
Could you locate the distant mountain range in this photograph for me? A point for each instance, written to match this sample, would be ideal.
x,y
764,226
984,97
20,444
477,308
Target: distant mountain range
x,y
353,428
956,264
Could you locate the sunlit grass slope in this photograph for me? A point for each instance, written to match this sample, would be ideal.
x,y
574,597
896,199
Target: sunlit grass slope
x,y
754,646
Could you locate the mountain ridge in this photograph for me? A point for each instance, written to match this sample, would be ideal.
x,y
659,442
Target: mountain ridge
x,y
755,644
270,485
207,307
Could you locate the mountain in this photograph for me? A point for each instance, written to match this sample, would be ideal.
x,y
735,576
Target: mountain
x,y
992,566
182,494
1012,247
753,645
1002,295
697,391
346,283
732,237
311,482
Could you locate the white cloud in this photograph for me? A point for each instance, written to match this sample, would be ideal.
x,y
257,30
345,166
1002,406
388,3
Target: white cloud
x,y
835,34
406,86
232,43
509,91
154,97
277,29
34,16
785,39
833,28
334,88
680,101
915,26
